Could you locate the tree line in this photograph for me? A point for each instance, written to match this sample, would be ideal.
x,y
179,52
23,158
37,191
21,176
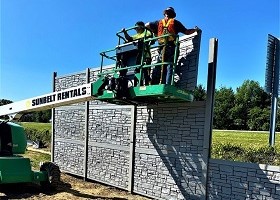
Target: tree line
x,y
247,108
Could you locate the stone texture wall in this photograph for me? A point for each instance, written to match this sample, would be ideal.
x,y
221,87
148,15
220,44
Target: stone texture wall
x,y
69,155
238,180
169,145
157,153
110,128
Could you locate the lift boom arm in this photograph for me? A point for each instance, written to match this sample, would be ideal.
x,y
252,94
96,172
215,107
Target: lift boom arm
x,y
68,96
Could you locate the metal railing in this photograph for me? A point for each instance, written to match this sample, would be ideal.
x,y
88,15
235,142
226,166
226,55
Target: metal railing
x,y
149,43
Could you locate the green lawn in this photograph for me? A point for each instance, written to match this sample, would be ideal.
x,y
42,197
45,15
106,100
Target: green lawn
x,y
36,125
36,158
38,132
244,138
245,146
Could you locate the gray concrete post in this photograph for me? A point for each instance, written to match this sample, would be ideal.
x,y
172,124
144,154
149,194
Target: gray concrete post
x,y
86,129
53,119
132,149
211,81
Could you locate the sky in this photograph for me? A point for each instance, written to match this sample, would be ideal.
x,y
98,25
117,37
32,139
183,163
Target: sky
x,y
39,37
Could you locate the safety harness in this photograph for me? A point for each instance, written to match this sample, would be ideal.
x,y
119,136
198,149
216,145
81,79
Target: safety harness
x,y
166,28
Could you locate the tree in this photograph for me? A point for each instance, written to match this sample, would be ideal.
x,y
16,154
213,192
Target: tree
x,y
277,121
39,116
248,96
43,116
28,117
224,102
258,119
199,93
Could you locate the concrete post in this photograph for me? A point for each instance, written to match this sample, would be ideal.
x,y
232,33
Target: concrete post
x,y
212,68
86,128
53,119
132,149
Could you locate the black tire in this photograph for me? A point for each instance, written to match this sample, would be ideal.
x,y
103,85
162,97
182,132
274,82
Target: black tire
x,y
53,173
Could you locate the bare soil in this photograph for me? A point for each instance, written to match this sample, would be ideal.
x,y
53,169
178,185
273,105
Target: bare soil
x,y
70,188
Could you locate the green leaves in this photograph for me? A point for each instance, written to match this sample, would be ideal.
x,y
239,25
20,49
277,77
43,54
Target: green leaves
x,y
224,103
254,154
199,93
246,109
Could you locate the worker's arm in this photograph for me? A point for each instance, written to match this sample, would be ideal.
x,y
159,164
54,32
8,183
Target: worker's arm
x,y
148,26
191,31
182,29
152,27
127,37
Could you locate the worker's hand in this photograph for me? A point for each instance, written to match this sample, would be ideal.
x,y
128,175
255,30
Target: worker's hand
x,y
197,29
123,30
152,42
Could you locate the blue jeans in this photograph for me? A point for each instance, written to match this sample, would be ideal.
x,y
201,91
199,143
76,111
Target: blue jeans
x,y
167,70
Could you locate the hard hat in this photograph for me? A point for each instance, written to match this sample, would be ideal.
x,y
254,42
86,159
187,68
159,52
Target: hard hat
x,y
170,12
140,23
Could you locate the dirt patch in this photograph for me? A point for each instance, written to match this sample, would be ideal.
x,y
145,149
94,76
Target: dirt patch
x,y
70,188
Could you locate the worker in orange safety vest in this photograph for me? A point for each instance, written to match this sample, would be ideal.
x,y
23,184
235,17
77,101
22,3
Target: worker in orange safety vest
x,y
167,25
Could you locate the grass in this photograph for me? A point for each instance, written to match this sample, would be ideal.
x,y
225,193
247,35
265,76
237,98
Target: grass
x,y
36,125
244,138
36,158
38,132
245,146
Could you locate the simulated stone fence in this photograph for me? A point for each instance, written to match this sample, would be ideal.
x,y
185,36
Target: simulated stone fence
x,y
154,150
159,151
157,154
238,180
168,151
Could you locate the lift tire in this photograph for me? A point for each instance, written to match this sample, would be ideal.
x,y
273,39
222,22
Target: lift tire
x,y
53,174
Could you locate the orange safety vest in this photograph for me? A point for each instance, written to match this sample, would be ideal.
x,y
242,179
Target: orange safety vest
x,y
166,28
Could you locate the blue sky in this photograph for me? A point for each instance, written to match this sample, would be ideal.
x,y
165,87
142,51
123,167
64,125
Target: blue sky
x,y
39,37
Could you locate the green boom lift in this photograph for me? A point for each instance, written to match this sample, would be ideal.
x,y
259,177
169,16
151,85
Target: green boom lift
x,y
111,86
114,87
17,169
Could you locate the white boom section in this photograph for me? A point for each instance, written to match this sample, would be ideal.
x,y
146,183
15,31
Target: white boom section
x,y
68,96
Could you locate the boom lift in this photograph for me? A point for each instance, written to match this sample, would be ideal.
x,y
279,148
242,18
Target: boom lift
x,y
112,85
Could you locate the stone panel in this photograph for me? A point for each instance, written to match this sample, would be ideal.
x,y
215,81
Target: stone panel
x,y
69,156
169,151
241,180
108,165
187,66
70,123
110,124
